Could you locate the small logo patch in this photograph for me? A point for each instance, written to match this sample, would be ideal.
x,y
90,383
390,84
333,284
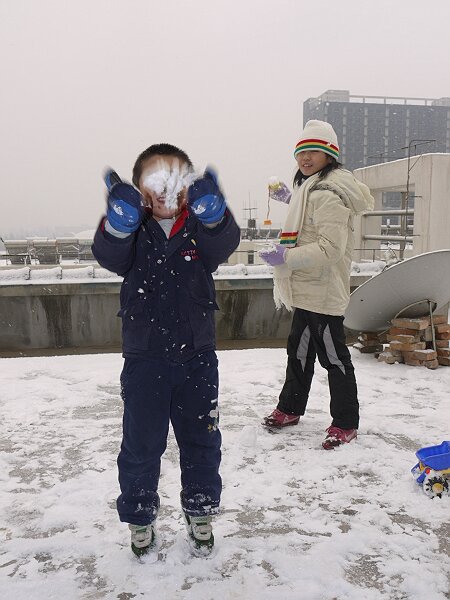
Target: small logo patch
x,y
190,254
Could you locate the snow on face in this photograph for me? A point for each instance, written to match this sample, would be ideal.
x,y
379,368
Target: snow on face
x,y
168,181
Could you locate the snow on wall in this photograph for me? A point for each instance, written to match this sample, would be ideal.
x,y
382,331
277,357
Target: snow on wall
x,y
30,275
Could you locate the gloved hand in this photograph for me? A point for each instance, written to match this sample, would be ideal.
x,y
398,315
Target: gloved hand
x,y
206,199
125,209
279,191
273,255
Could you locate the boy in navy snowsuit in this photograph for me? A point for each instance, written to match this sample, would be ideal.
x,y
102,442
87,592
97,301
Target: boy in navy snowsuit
x,y
166,240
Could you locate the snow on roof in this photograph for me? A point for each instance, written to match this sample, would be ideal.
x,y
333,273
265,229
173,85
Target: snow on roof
x,y
297,522
88,234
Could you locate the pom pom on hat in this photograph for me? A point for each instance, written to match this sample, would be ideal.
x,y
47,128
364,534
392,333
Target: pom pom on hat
x,y
318,135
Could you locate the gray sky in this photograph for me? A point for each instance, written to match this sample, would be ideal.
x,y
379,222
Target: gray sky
x,y
90,83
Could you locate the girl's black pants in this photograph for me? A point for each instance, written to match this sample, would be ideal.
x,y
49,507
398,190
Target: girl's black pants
x,y
313,334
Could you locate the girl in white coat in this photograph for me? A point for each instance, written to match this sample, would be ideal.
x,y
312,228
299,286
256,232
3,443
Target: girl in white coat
x,y
312,264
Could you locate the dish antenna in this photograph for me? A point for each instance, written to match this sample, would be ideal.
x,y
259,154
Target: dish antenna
x,y
412,288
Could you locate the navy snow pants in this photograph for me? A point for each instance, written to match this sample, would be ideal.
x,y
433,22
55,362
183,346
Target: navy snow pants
x,y
156,392
313,334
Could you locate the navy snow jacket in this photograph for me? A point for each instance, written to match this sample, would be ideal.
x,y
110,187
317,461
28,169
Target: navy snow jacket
x,y
167,296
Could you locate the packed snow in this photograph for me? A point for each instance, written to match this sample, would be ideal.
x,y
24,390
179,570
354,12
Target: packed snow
x,y
274,180
297,522
168,183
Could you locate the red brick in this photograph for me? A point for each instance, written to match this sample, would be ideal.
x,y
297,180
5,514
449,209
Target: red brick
x,y
421,355
402,331
443,352
407,347
404,339
443,336
440,319
413,363
444,361
416,324
431,364
442,343
444,328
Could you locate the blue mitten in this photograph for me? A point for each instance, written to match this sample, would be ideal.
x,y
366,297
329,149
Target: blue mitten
x,y
110,178
125,209
206,199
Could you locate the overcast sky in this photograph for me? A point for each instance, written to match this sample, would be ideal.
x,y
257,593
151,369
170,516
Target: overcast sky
x,y
90,83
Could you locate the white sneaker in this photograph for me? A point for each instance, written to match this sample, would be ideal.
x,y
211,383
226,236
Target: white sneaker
x,y
142,538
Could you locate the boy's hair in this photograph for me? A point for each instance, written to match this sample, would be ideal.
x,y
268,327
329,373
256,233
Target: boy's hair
x,y
157,150
333,164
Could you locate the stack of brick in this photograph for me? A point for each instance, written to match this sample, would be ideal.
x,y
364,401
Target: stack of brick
x,y
411,342
368,343
442,333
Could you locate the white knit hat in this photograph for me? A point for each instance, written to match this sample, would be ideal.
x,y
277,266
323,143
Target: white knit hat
x,y
318,135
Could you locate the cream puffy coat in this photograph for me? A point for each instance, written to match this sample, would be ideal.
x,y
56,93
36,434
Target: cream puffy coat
x,y
321,261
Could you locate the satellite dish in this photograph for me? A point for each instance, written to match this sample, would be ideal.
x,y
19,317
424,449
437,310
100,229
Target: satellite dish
x,y
410,288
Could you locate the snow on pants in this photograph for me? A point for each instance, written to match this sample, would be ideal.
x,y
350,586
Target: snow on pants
x,y
313,334
154,393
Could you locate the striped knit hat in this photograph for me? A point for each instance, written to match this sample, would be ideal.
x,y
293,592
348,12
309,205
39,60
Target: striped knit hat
x,y
318,135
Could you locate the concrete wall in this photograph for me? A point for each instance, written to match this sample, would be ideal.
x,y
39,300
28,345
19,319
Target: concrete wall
x,y
67,315
429,183
83,315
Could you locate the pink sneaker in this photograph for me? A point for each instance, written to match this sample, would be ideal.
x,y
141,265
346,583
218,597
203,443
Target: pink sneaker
x,y
280,419
337,436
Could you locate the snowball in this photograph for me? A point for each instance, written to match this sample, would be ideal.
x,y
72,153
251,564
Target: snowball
x,y
169,183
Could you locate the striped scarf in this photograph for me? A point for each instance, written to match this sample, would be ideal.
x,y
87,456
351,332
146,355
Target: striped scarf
x,y
282,290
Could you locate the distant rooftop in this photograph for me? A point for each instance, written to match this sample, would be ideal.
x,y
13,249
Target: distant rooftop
x,y
346,96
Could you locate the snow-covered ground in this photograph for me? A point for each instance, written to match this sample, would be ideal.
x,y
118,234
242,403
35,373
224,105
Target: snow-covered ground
x,y
298,523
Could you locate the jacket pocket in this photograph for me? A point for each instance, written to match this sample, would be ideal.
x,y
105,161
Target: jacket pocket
x,y
202,322
316,274
136,326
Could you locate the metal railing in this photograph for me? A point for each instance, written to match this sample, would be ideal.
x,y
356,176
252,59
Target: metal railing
x,y
46,252
401,234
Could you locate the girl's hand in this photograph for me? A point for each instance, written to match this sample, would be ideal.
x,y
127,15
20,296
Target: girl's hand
x,y
274,255
279,191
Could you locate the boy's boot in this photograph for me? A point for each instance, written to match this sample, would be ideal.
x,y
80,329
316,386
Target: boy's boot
x,y
279,419
142,538
337,436
200,533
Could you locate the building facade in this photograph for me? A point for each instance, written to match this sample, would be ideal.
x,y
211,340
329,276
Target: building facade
x,y
376,129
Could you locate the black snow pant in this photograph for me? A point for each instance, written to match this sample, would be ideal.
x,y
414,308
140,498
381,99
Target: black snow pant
x,y
313,334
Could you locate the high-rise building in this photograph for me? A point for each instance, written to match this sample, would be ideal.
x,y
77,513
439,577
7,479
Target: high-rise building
x,y
375,129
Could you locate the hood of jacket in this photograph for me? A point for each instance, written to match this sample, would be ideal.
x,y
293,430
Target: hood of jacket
x,y
354,194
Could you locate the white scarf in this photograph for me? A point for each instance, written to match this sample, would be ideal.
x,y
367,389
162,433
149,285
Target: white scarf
x,y
282,288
